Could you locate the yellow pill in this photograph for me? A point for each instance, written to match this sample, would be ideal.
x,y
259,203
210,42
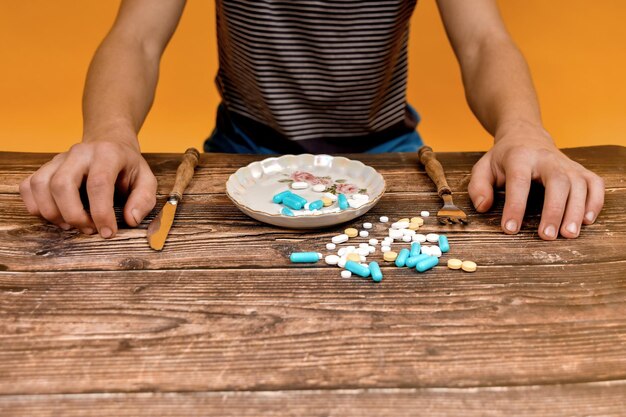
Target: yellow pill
x,y
353,257
327,201
417,220
468,266
413,226
390,256
404,220
455,263
351,232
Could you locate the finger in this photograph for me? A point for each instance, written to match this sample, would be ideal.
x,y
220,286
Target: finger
x,y
27,196
100,190
481,184
575,209
40,188
142,198
557,190
65,185
595,197
518,179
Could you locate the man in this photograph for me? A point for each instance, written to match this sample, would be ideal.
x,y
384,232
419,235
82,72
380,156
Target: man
x,y
317,76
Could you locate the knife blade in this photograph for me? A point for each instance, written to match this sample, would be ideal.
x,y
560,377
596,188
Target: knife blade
x,y
159,227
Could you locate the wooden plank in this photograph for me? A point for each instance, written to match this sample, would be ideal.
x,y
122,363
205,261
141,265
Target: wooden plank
x,y
249,329
401,170
210,232
587,399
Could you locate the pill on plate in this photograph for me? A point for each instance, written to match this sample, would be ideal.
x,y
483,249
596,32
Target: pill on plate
x,y
346,274
390,256
331,246
455,263
427,263
357,268
331,259
417,220
298,197
278,198
468,266
432,237
340,238
299,185
435,251
343,202
286,212
367,225
364,233
326,201
304,257
351,232
384,219
385,249
373,242
353,257
316,205
419,238
443,243
359,196
395,234
406,238
400,225
330,196
377,274
402,257
415,249
413,260
356,203
293,203
319,188
424,214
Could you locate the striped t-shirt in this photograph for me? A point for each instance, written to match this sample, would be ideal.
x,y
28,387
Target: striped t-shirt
x,y
315,74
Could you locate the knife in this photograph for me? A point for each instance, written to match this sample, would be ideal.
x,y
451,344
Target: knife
x,y
160,226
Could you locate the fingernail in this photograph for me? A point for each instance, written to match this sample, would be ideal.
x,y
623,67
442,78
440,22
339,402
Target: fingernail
x,y
511,225
590,216
88,231
550,231
136,215
479,201
572,228
65,226
106,233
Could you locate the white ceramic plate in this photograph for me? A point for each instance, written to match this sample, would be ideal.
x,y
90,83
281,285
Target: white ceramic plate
x,y
252,187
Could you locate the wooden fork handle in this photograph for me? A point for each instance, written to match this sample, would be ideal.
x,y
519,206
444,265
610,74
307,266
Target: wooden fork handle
x,y
184,173
434,170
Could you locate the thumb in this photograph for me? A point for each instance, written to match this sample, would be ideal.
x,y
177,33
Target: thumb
x,y
142,197
481,184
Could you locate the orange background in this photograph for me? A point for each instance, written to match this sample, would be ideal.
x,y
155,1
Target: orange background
x,y
576,50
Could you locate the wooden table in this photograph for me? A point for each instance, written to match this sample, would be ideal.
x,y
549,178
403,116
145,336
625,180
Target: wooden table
x,y
220,323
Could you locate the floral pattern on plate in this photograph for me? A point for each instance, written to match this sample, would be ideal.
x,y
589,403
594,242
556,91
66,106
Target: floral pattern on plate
x,y
339,186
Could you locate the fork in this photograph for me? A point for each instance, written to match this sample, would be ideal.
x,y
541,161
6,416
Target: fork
x,y
449,213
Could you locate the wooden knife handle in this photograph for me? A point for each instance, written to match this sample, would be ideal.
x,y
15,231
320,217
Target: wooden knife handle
x,y
434,170
185,171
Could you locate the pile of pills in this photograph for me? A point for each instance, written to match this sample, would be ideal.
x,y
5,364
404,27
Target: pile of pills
x,y
422,254
292,204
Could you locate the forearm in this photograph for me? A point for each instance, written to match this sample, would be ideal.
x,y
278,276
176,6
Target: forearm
x,y
119,90
499,88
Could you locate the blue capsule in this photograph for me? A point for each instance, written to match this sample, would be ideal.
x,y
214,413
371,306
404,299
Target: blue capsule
x,y
377,274
416,248
403,255
292,203
278,198
342,201
316,205
413,260
357,268
301,199
286,212
304,257
427,263
443,243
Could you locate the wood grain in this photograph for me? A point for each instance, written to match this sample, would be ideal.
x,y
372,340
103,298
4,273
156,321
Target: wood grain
x,y
220,323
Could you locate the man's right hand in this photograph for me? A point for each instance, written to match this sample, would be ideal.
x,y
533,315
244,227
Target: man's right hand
x,y
53,191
